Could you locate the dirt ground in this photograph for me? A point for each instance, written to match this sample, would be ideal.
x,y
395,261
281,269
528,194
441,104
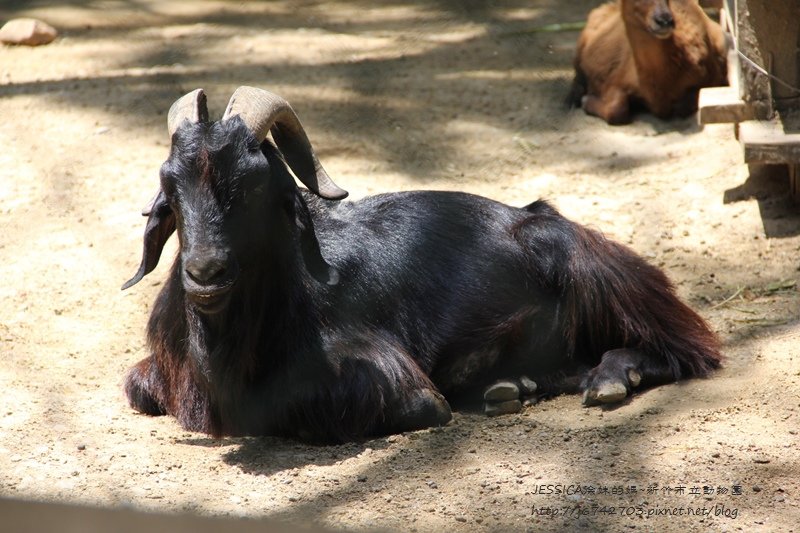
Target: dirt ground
x,y
436,94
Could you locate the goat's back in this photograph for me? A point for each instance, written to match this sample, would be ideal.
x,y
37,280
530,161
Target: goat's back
x,y
412,243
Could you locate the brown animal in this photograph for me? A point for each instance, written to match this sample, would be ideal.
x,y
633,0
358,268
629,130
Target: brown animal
x,y
651,53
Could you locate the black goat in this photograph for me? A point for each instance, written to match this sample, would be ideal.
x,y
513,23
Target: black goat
x,y
290,313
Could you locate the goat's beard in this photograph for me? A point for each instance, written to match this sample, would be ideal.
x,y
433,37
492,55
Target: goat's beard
x,y
199,348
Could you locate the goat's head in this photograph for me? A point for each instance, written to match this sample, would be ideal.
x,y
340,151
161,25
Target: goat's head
x,y
654,16
222,186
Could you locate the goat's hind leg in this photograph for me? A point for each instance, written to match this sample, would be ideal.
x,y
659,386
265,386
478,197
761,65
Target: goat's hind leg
x,y
619,373
141,386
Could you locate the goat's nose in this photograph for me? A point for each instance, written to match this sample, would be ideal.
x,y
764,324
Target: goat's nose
x,y
206,268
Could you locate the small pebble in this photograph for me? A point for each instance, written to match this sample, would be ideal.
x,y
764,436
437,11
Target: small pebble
x,y
81,447
30,32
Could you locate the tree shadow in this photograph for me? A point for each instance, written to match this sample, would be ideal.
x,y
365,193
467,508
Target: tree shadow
x,y
484,62
265,456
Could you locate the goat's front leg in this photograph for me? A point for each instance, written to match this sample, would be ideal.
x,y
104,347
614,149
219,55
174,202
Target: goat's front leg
x,y
144,388
404,399
418,409
376,388
619,373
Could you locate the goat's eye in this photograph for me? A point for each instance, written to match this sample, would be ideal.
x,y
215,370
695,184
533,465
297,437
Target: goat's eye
x,y
172,202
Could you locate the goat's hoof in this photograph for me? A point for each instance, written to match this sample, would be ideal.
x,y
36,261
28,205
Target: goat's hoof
x,y
634,378
509,396
527,387
606,393
502,408
502,391
532,400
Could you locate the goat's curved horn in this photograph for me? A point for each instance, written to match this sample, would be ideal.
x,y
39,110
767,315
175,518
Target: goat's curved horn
x,y
191,107
262,112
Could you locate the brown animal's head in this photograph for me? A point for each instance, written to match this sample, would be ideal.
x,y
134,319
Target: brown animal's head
x,y
653,16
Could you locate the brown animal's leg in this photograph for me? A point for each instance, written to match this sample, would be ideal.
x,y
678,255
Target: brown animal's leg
x,y
142,386
612,107
577,90
686,104
619,372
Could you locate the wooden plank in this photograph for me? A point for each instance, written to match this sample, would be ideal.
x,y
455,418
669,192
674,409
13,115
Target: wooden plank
x,y
728,18
735,73
717,105
767,142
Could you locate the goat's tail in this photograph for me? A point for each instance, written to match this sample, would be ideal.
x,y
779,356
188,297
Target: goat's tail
x,y
612,298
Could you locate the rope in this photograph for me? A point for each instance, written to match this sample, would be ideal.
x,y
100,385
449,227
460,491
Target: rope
x,y
732,26
763,71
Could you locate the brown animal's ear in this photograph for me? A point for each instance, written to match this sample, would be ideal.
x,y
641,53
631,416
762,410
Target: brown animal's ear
x,y
160,225
316,265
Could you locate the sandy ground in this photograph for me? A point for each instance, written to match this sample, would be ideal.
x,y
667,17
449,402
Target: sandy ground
x,y
437,94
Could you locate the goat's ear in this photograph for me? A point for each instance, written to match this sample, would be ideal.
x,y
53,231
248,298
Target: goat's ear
x,y
160,225
309,245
